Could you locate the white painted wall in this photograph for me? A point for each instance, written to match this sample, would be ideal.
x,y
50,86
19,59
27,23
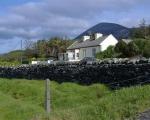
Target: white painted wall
x,y
110,40
76,52
85,37
88,52
70,55
98,35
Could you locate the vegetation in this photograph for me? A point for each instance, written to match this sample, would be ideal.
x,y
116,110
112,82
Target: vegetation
x,y
49,49
24,100
40,50
122,50
109,53
143,31
46,48
139,46
12,58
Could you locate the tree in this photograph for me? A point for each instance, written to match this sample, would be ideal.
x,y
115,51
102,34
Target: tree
x,y
109,53
132,49
141,44
53,46
143,28
143,31
122,48
146,51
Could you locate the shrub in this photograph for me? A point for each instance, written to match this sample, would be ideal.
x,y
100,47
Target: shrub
x,y
132,49
109,53
120,46
146,51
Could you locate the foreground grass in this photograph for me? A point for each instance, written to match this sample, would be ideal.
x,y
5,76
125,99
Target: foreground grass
x,y
24,100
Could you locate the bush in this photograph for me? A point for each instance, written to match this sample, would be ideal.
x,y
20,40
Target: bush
x,y
144,47
136,47
146,51
122,48
141,44
109,53
132,49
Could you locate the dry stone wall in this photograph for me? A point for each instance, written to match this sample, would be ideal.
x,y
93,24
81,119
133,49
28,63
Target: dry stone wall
x,y
114,74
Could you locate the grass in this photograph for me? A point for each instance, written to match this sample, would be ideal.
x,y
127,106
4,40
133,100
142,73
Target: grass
x,y
24,100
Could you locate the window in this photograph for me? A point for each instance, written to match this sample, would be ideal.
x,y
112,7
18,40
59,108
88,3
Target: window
x,y
73,55
84,52
77,54
94,52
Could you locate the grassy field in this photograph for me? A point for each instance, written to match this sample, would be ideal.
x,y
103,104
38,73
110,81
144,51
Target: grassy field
x,y
24,100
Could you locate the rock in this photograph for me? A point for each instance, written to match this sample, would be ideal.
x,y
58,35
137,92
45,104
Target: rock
x,y
106,71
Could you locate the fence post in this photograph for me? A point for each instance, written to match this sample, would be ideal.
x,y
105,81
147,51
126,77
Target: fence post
x,y
47,96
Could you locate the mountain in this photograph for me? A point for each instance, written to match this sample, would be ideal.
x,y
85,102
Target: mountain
x,y
117,30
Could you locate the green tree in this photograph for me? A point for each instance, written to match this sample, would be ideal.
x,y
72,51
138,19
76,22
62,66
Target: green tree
x,y
122,48
146,51
109,53
132,49
143,31
141,44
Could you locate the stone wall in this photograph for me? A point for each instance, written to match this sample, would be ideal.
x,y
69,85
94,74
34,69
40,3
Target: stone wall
x,y
114,74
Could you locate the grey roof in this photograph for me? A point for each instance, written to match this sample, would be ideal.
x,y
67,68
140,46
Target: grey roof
x,y
87,43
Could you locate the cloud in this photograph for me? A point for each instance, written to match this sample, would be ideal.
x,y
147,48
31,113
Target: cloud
x,y
37,19
46,18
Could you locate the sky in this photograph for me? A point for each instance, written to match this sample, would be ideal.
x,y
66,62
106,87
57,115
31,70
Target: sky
x,y
42,19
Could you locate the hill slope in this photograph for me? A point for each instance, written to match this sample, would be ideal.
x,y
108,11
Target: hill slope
x,y
108,28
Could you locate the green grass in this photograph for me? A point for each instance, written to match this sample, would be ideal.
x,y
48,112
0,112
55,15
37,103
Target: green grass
x,y
24,100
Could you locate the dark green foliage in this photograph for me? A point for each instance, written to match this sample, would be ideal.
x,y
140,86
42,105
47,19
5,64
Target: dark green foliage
x,y
146,51
143,31
132,49
50,48
144,46
109,53
141,44
42,49
122,48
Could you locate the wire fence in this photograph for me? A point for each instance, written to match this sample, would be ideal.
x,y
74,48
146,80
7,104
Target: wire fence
x,y
139,80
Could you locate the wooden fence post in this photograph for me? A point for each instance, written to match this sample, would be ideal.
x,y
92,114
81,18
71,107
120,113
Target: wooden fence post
x,y
47,97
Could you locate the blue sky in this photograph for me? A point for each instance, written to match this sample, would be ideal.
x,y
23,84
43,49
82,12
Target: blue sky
x,y
37,19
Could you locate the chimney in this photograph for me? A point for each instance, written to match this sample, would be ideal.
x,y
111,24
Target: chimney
x,y
85,37
98,35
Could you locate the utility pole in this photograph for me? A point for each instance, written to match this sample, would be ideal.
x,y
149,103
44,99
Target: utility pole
x,y
47,97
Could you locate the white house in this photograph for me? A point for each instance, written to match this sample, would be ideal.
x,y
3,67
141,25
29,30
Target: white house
x,y
88,46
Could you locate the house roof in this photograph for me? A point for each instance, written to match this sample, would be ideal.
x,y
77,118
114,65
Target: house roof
x,y
87,43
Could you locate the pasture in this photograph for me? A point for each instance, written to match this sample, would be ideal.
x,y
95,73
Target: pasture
x,y
22,99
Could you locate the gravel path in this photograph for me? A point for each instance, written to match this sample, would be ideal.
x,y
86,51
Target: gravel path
x,y
144,116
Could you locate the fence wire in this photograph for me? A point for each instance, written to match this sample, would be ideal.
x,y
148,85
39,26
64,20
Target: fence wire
x,y
140,81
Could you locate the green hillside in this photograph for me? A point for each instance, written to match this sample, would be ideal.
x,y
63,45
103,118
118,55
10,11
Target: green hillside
x,y
24,100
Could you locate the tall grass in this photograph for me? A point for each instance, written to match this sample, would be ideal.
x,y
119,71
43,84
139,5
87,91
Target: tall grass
x,y
24,100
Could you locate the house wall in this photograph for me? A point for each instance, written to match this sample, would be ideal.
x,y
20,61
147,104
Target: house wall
x,y
70,55
73,54
87,52
110,40
76,54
